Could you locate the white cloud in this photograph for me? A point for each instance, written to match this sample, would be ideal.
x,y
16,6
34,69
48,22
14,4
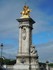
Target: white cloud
x,y
42,21
45,51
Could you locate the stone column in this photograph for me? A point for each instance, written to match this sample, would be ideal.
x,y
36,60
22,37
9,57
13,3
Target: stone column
x,y
27,57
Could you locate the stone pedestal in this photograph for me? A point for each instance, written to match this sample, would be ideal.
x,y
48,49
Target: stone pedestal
x,y
27,58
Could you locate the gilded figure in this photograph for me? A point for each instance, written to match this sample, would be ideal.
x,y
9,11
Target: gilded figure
x,y
26,12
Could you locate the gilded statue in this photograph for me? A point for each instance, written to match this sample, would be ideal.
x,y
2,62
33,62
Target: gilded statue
x,y
26,12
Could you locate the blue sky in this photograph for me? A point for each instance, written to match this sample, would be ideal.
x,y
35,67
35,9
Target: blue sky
x,y
42,38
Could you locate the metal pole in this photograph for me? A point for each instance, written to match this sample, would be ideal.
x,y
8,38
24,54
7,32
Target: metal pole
x,y
1,53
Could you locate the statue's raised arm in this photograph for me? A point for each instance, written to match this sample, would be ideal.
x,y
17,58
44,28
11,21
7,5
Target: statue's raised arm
x,y
26,12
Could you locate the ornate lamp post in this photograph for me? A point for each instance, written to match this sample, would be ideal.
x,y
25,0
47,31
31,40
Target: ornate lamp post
x,y
1,46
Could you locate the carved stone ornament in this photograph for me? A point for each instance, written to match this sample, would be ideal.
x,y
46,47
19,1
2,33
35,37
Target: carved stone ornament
x,y
22,60
24,33
33,51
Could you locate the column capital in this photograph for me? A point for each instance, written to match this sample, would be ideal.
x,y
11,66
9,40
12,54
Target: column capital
x,y
26,19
